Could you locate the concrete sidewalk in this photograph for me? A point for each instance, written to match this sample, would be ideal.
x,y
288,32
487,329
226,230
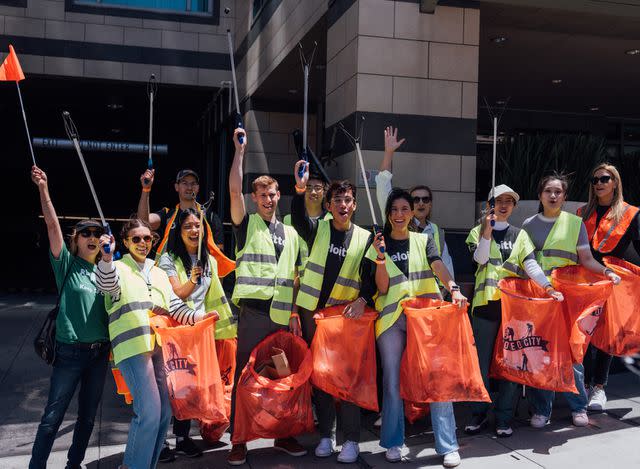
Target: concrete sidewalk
x,y
611,440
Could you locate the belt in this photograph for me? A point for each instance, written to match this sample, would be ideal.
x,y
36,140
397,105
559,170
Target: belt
x,y
90,346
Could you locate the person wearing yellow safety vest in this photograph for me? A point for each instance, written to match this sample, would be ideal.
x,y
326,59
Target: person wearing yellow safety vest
x,y
406,269
333,275
134,290
421,195
82,338
560,239
195,282
267,255
499,251
612,226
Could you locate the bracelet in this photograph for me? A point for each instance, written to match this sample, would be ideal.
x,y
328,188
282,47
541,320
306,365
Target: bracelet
x,y
380,261
146,189
454,288
548,287
607,271
300,190
191,280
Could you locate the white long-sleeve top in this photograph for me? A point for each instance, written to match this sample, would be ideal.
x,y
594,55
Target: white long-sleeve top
x,y
108,282
383,188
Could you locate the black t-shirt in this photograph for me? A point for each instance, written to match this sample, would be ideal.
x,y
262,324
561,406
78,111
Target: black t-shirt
x,y
623,249
398,251
217,229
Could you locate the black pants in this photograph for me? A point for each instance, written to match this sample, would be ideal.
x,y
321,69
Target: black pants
x,y
181,428
596,367
325,403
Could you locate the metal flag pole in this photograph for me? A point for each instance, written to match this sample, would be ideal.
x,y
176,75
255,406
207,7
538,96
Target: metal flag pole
x,y
356,143
235,86
305,70
72,133
152,89
26,126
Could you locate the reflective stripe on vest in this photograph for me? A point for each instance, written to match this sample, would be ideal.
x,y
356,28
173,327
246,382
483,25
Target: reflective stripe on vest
x,y
304,249
129,328
259,276
419,282
608,234
347,284
214,300
560,247
489,274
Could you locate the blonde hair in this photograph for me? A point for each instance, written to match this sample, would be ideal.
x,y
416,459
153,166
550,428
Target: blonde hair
x,y
263,181
617,204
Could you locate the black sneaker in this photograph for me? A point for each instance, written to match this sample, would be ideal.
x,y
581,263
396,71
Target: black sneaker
x,y
188,448
167,454
477,423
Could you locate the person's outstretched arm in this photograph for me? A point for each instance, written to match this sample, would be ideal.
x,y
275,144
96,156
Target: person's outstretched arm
x,y
54,232
144,210
238,209
384,177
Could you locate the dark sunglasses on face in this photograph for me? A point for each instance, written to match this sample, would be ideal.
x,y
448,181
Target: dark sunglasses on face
x,y
425,200
602,179
136,239
87,233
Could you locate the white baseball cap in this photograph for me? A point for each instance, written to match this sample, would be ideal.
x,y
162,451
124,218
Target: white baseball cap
x,y
503,189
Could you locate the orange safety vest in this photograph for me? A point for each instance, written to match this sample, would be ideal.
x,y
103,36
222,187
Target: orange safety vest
x,y
606,237
225,265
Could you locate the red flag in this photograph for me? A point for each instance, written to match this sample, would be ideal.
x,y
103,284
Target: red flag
x,y
10,70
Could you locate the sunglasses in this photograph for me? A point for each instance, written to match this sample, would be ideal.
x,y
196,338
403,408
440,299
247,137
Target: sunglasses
x,y
425,200
136,239
87,233
602,179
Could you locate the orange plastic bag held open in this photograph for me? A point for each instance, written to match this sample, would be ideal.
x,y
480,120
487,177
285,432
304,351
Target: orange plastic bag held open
x,y
414,412
584,296
191,365
440,362
533,346
226,351
278,408
619,330
344,356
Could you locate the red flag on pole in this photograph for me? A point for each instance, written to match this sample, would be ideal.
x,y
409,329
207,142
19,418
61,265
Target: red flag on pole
x,y
10,70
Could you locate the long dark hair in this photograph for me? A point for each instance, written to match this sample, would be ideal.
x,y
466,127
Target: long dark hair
x,y
177,248
564,182
394,195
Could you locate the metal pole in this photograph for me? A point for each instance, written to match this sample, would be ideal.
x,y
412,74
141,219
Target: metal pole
x,y
366,184
306,108
26,126
235,84
492,200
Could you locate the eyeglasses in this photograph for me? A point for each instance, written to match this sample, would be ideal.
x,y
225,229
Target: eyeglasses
x,y
346,200
136,239
315,188
87,233
602,179
425,200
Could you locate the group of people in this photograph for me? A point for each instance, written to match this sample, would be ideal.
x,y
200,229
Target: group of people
x,y
284,274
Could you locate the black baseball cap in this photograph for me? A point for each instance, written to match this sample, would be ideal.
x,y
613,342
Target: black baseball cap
x,y
187,172
84,224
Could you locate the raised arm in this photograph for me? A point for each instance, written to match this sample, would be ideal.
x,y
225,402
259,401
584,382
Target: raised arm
x,y
384,177
146,180
54,232
300,220
238,209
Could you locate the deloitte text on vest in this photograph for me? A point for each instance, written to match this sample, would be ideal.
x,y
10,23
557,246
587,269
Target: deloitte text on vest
x,y
338,250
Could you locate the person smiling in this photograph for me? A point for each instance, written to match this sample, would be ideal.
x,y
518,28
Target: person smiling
x,y
560,239
82,338
136,289
612,226
500,250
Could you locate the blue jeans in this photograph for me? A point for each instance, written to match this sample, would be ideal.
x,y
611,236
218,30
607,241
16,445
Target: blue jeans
x,y
73,365
391,345
145,377
542,400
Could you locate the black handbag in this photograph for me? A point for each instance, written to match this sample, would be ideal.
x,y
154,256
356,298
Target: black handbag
x,y
45,342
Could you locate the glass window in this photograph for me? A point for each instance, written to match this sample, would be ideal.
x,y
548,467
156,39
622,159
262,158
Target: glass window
x,y
182,6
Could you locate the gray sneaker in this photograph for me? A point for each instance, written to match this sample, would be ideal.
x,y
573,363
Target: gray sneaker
x,y
597,400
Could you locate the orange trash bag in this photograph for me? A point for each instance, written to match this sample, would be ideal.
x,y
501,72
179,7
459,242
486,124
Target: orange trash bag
x,y
226,351
274,408
344,356
440,362
533,346
584,296
121,385
191,365
414,411
619,330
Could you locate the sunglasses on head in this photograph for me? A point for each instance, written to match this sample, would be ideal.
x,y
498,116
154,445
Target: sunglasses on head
x,y
602,179
137,239
88,233
425,200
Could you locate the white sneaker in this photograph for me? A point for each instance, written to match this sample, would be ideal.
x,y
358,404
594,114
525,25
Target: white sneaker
x,y
597,399
539,421
349,453
580,419
394,454
324,448
451,459
378,422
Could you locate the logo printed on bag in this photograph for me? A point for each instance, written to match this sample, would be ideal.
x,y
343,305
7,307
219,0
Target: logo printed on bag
x,y
588,323
523,349
177,363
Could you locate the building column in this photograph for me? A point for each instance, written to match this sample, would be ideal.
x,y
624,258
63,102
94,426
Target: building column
x,y
393,65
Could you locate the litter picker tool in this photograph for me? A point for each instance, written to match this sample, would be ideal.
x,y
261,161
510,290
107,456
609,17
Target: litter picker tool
x,y
202,208
305,70
495,118
152,90
235,86
297,141
72,133
356,143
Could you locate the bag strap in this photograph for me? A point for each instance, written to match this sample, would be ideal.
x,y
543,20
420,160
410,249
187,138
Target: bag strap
x,y
64,283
